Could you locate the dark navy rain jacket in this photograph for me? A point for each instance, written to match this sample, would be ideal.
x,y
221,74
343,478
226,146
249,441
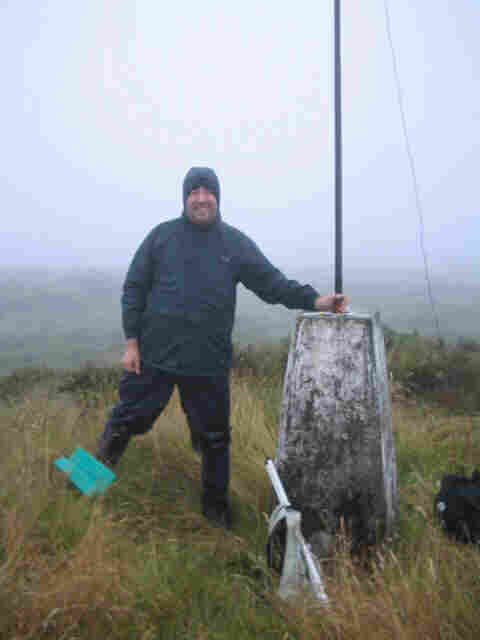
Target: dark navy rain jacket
x,y
179,294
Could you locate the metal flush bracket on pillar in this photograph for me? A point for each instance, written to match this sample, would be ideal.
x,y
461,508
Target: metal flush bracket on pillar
x,y
335,452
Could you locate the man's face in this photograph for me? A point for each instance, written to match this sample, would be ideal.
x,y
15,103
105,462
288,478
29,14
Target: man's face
x,y
201,206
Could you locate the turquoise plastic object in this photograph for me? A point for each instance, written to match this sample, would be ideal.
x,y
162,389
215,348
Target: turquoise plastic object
x,y
86,472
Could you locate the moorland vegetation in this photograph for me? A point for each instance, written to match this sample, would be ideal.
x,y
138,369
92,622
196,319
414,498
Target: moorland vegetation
x,y
141,562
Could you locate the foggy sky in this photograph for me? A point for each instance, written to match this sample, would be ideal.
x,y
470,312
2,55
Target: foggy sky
x,y
107,104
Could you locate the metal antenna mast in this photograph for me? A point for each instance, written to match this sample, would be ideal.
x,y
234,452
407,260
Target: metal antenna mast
x,y
338,155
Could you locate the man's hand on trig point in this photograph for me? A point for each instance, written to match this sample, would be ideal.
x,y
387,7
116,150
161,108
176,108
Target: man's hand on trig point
x,y
334,303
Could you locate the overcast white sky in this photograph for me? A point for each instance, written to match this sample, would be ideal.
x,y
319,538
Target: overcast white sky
x,y
106,104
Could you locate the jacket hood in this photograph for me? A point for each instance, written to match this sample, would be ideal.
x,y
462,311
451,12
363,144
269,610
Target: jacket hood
x,y
201,177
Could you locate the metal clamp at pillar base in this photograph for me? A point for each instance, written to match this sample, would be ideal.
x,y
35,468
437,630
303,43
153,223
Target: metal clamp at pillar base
x,y
287,549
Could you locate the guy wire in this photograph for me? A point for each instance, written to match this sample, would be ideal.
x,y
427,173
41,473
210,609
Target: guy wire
x,y
414,175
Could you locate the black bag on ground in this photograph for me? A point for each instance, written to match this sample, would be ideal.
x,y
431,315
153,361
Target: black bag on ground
x,y
457,506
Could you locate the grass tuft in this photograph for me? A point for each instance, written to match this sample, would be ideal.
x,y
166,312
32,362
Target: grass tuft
x,y
142,562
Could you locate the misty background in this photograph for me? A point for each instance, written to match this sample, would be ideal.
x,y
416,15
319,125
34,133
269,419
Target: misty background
x,y
106,106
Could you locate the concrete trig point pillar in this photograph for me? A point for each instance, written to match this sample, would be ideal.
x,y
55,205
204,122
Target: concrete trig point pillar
x,y
335,452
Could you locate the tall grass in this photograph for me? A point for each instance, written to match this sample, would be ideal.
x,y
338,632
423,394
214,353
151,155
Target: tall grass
x,y
141,562
445,374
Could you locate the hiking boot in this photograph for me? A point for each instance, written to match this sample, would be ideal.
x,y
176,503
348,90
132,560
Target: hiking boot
x,y
112,444
218,513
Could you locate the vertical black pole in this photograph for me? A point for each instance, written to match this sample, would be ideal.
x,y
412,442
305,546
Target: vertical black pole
x,y
338,155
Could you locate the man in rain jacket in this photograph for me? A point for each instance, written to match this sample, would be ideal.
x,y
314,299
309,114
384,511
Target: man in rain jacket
x,y
178,309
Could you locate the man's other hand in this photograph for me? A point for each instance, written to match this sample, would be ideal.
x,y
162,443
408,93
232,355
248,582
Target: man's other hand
x,y
334,303
131,357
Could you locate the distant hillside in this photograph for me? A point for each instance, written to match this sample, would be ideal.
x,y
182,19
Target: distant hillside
x,y
59,319
398,294
65,318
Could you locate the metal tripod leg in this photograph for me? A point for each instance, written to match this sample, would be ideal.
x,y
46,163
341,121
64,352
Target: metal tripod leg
x,y
300,567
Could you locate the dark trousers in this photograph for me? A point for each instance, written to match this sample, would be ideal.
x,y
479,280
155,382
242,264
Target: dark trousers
x,y
206,403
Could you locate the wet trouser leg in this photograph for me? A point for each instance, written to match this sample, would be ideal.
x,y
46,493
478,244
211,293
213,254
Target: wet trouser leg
x,y
142,398
206,402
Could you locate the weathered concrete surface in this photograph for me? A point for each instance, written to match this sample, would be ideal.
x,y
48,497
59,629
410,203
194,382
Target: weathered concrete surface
x,y
335,452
